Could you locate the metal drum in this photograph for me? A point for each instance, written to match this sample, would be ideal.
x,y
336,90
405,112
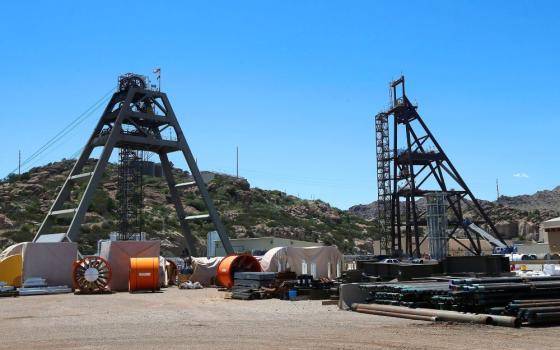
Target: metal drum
x,y
143,274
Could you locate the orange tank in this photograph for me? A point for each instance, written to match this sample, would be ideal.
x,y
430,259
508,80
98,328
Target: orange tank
x,y
143,274
235,263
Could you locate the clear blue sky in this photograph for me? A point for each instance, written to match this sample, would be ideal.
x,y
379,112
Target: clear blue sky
x,y
295,84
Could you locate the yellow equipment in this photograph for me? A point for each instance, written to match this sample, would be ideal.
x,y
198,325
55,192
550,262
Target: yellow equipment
x,y
11,270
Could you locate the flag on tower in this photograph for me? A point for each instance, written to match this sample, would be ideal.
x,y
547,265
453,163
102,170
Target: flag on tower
x,y
157,72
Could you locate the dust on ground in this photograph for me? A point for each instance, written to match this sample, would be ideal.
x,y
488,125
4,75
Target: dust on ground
x,y
203,319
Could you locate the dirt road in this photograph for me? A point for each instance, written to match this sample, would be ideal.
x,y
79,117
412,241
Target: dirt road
x,y
203,319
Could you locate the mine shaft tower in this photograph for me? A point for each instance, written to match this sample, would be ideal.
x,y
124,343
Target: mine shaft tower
x,y
134,120
410,165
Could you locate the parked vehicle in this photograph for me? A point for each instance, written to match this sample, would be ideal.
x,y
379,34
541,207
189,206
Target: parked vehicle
x,y
391,261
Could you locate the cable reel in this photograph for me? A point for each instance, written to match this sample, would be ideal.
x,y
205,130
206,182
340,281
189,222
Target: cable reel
x,y
92,274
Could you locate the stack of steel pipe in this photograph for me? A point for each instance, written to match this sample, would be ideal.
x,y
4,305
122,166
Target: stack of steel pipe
x,y
412,294
535,311
495,295
486,293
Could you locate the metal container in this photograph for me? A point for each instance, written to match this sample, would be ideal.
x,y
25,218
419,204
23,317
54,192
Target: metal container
x,y
143,274
436,215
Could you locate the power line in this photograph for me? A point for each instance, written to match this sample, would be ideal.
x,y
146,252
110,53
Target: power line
x,y
66,130
71,126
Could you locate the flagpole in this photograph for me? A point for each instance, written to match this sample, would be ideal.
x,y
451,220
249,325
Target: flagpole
x,y
157,72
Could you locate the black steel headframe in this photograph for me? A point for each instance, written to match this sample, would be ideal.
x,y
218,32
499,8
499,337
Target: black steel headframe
x,y
409,159
134,119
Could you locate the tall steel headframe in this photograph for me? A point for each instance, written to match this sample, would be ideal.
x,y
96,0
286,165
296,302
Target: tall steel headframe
x,y
410,164
134,119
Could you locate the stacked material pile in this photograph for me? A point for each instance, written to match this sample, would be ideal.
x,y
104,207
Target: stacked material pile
x,y
39,286
252,285
411,294
7,291
314,289
534,300
282,284
533,311
478,294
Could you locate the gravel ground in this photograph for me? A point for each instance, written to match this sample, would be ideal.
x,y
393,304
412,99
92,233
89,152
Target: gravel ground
x,y
203,319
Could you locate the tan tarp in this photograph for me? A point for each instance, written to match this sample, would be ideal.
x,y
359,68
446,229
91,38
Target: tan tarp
x,y
52,261
204,270
118,254
323,261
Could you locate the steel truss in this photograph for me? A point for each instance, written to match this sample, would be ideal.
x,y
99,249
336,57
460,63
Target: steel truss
x,y
408,161
383,178
130,193
135,118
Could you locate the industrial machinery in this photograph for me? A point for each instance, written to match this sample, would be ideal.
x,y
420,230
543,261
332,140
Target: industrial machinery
x,y
498,247
136,118
91,274
410,164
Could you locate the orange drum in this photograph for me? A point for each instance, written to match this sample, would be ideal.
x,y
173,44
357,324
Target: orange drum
x,y
235,263
143,274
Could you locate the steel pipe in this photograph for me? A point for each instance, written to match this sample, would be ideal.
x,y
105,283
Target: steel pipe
x,y
532,305
441,315
505,321
548,316
399,315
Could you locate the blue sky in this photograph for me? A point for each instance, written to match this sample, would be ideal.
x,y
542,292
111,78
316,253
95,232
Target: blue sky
x,y
295,84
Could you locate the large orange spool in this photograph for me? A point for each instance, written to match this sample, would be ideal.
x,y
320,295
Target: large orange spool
x,y
235,263
143,274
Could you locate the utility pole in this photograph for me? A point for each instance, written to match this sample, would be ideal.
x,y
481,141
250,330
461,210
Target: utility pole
x,y
19,163
497,190
237,162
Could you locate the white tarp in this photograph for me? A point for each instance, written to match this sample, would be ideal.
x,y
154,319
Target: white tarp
x,y
14,249
551,269
323,261
204,270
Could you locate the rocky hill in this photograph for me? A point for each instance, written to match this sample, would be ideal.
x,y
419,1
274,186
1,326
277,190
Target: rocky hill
x,y
516,217
548,200
246,211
